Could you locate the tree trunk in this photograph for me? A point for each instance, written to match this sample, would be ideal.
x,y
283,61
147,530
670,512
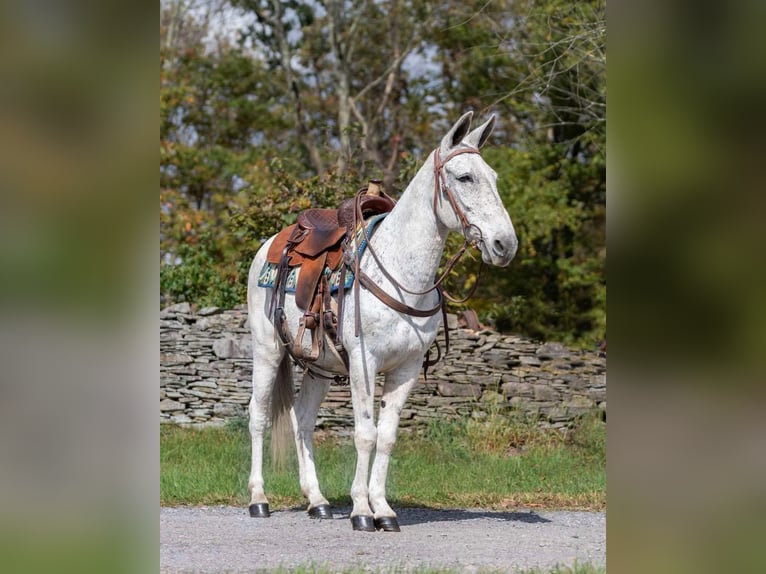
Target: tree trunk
x,y
285,55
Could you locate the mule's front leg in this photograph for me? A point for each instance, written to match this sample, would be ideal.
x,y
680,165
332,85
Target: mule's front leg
x,y
397,388
363,399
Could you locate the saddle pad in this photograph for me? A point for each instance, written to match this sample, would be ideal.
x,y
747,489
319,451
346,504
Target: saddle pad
x,y
268,273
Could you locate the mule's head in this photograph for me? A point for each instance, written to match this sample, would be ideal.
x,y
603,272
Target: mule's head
x,y
475,208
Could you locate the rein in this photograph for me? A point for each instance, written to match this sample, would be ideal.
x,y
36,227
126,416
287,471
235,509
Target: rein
x,y
363,279
439,185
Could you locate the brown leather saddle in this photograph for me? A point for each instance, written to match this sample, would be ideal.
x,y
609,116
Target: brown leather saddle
x,y
317,242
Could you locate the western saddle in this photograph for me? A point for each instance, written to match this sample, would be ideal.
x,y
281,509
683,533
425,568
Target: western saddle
x,y
321,239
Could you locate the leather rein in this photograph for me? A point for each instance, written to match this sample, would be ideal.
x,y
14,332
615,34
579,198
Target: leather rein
x,y
468,229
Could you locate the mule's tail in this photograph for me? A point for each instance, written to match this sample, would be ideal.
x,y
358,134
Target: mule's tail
x,y
282,399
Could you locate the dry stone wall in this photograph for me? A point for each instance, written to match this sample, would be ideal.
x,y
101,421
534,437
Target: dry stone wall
x,y
206,369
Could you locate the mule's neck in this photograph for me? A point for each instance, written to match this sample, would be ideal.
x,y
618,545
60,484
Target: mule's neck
x,y
410,240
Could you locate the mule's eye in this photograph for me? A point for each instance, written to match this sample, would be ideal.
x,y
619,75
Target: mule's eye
x,y
465,178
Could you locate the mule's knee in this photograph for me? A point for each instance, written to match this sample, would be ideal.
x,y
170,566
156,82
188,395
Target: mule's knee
x,y
385,445
386,440
258,418
365,437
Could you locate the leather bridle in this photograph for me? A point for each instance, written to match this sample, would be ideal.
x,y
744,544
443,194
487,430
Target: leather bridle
x,y
440,184
365,280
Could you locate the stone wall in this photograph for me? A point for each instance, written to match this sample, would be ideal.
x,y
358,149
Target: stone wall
x,y
206,369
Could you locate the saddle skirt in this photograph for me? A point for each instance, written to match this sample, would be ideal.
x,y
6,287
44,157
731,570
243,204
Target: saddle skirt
x,y
268,274
306,257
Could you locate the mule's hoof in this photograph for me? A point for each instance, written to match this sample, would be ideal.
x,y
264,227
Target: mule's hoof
x,y
260,510
363,523
387,524
322,511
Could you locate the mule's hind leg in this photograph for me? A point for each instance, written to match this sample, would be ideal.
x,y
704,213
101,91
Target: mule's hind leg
x,y
397,388
304,415
266,365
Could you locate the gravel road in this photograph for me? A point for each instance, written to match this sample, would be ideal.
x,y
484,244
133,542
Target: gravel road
x,y
226,539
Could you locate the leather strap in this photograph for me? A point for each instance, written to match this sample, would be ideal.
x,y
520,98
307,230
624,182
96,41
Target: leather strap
x,y
467,227
372,287
341,301
440,185
427,362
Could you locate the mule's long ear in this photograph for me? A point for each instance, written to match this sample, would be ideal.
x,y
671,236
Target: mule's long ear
x,y
480,135
456,133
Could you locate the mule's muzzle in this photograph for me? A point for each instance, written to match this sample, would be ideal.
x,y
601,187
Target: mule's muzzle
x,y
500,251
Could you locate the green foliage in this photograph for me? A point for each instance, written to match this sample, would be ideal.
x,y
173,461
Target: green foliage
x,y
202,276
276,204
548,73
560,289
247,133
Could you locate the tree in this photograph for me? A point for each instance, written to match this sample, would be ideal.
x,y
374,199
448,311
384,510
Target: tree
x,y
342,64
314,98
542,66
210,122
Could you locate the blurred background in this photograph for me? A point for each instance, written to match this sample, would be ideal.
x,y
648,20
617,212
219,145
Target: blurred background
x,y
686,444
79,455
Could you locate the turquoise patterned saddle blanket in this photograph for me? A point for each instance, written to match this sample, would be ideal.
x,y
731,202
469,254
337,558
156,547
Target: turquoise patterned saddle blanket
x,y
268,274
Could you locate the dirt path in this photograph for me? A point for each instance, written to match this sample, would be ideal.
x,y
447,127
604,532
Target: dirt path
x,y
226,539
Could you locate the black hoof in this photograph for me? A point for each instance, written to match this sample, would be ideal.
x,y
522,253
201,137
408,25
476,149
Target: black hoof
x,y
260,510
387,524
363,523
322,511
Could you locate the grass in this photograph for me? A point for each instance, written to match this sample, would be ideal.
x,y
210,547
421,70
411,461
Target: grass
x,y
501,462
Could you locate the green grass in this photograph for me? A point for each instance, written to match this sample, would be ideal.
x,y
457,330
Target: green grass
x,y
501,462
